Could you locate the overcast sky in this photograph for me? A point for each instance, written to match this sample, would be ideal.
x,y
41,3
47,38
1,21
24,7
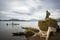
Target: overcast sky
x,y
29,9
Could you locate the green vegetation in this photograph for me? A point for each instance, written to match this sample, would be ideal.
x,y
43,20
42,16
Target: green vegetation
x,y
42,25
30,31
51,22
30,28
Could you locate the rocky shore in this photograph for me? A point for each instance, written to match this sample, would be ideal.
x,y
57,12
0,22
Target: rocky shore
x,y
56,36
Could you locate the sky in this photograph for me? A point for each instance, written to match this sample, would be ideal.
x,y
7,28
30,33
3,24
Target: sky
x,y
29,9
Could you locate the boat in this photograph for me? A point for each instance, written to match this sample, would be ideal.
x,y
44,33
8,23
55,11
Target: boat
x,y
12,24
18,34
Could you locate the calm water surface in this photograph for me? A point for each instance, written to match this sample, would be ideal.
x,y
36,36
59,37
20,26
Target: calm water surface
x,y
6,31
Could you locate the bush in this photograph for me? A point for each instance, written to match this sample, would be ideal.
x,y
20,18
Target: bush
x,y
42,25
51,22
29,33
31,29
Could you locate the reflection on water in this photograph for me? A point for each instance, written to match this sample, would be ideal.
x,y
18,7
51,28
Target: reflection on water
x,y
7,30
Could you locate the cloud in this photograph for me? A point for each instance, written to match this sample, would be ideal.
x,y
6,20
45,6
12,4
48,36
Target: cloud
x,y
56,14
10,14
28,9
22,13
51,4
3,16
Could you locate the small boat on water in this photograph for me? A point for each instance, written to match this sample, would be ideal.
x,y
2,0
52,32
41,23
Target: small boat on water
x,y
12,24
15,24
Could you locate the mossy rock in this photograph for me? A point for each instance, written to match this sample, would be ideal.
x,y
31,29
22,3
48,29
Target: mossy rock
x,y
49,22
42,25
35,30
29,33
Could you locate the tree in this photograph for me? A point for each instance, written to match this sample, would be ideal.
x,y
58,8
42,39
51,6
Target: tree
x,y
47,14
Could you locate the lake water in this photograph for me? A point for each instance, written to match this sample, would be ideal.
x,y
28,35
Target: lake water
x,y
6,31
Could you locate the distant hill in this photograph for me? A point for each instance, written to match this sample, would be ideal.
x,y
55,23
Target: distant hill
x,y
22,20
58,19
32,20
14,20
